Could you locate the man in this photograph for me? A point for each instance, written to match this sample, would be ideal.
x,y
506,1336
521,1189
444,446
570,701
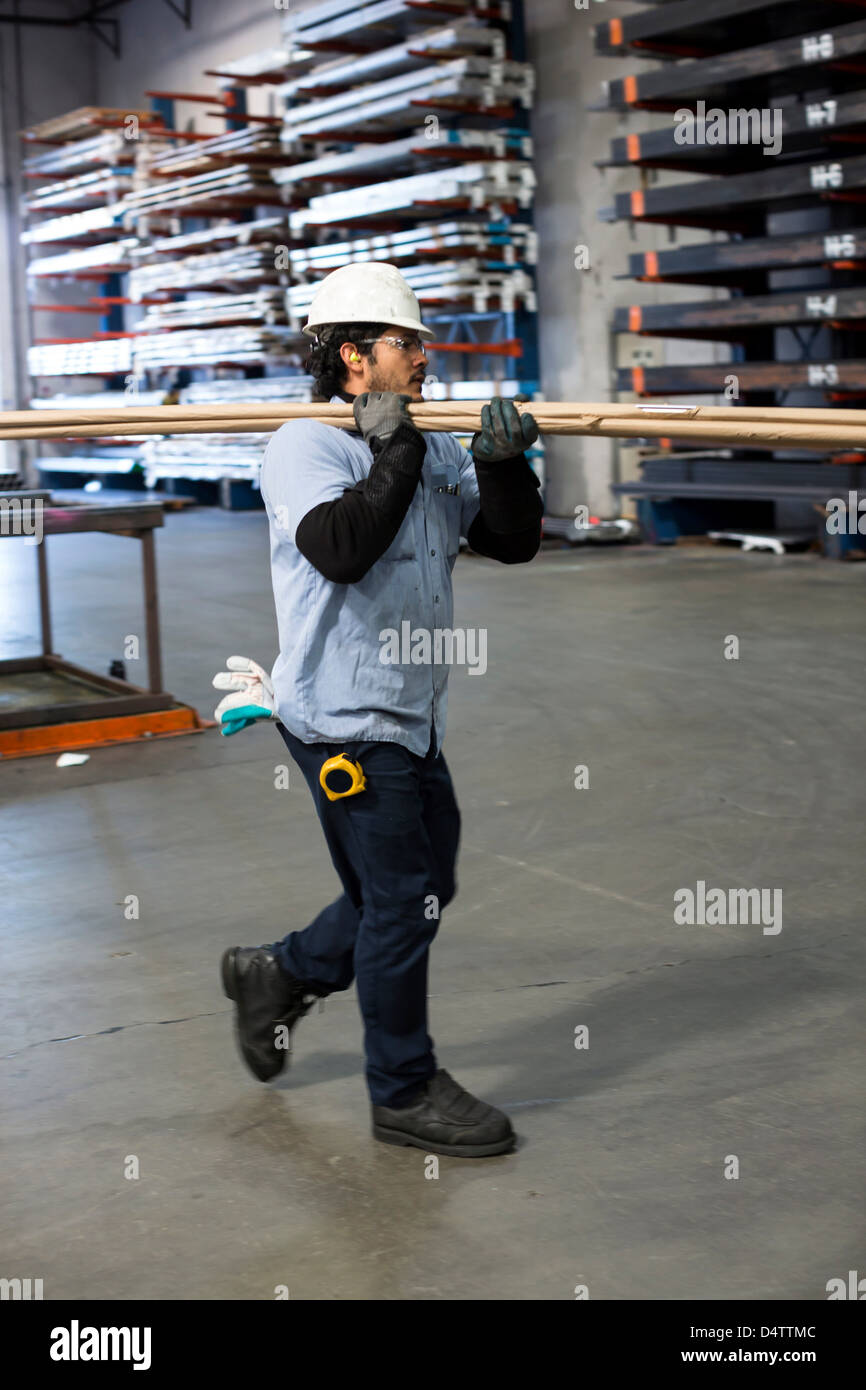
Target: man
x,y
365,528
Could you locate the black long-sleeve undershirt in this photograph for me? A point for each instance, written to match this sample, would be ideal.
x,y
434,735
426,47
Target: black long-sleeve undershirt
x,y
508,525
345,537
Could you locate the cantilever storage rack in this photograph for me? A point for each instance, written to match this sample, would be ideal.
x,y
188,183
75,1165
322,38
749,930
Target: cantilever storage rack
x,y
786,235
395,130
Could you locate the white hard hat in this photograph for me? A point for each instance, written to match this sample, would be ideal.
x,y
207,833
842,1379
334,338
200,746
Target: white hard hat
x,y
365,292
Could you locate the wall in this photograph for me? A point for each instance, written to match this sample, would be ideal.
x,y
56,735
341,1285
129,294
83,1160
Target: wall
x,y
43,71
159,52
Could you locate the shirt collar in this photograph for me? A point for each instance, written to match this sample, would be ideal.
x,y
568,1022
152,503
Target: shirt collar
x,y
336,399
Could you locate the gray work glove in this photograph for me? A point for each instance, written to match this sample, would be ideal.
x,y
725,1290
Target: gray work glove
x,y
379,413
504,433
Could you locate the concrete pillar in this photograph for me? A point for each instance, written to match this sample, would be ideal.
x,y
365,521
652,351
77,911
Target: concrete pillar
x,y
578,353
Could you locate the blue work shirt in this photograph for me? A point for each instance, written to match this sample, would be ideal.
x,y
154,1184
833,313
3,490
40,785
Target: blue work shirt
x,y
329,680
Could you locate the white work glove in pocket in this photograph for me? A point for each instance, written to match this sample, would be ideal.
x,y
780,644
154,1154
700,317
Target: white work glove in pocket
x,y
253,697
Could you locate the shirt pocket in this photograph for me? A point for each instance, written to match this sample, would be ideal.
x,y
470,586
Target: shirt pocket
x,y
400,550
447,510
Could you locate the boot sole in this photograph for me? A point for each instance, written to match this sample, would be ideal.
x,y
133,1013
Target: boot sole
x,y
400,1137
228,973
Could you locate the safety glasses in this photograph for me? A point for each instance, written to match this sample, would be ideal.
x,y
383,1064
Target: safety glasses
x,y
412,343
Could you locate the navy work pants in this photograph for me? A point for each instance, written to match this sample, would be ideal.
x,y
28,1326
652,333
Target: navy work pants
x,y
394,847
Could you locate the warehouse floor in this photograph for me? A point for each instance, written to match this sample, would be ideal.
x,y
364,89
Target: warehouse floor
x,y
706,1043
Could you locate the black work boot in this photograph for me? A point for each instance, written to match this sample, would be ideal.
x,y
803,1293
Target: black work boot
x,y
266,997
445,1119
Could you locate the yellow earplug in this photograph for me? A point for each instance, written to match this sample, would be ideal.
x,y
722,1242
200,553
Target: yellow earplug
x,y
354,357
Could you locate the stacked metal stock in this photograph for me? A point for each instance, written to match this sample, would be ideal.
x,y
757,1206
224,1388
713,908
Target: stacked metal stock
x,y
225,269
210,456
451,187
254,306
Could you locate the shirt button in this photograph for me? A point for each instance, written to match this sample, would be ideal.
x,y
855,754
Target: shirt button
x,y
432,552
436,599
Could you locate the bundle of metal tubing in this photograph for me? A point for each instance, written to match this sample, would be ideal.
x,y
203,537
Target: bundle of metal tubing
x,y
749,426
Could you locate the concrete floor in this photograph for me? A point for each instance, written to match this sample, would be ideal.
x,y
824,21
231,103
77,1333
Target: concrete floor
x,y
705,1041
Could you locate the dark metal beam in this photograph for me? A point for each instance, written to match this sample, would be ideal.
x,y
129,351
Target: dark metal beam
x,y
98,7
106,29
183,11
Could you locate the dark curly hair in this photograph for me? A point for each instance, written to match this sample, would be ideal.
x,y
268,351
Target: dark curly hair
x,y
325,364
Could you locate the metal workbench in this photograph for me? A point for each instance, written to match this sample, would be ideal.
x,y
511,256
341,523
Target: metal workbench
x,y
40,692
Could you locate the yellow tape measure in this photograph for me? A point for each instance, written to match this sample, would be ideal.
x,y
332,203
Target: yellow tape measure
x,y
342,764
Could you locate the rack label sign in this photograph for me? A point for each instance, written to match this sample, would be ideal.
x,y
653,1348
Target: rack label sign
x,y
816,307
816,47
826,176
821,112
841,244
823,374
